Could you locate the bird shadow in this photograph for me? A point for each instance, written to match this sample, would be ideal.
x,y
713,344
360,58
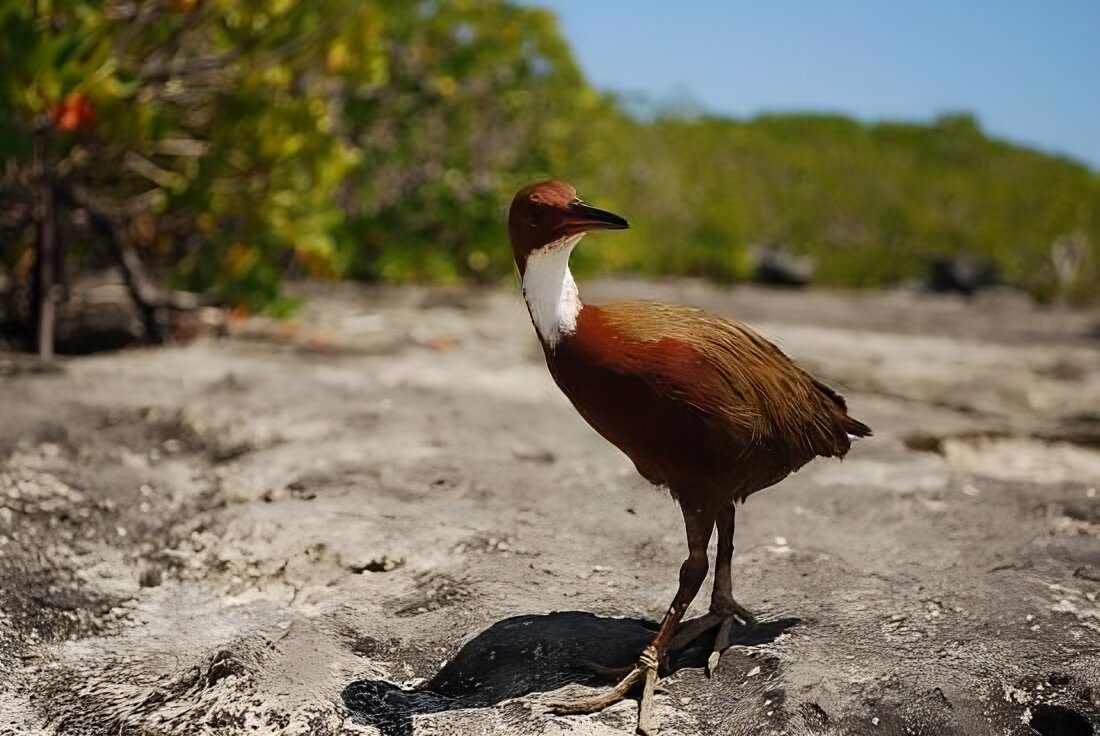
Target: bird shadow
x,y
527,654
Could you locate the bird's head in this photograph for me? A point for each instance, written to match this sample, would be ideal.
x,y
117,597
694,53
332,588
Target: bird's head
x,y
548,214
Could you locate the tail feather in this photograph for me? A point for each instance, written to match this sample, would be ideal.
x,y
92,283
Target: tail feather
x,y
852,427
856,428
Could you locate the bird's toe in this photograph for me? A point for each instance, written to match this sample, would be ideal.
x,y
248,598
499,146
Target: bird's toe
x,y
722,641
731,608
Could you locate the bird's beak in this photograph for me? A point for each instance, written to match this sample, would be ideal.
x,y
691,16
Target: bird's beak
x,y
583,217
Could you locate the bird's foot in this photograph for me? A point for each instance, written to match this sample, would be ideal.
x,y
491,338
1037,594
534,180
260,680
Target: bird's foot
x,y
576,700
723,617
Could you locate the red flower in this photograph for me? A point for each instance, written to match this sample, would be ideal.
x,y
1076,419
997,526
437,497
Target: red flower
x,y
73,113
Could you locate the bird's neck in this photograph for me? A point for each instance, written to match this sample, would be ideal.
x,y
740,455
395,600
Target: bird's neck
x,y
550,291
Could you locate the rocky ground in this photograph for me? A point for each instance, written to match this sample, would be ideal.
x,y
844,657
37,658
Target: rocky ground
x,y
290,530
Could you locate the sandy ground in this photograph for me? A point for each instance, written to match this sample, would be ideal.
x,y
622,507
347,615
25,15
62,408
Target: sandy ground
x,y
220,538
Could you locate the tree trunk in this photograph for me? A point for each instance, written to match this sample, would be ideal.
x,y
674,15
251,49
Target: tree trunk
x,y
45,293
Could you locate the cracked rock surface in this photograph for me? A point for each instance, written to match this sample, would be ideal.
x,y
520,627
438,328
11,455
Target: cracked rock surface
x,y
222,537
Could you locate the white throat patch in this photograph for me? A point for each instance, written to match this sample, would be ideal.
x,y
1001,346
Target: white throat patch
x,y
550,291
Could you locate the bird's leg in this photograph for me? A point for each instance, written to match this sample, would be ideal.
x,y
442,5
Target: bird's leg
x,y
699,523
724,610
721,597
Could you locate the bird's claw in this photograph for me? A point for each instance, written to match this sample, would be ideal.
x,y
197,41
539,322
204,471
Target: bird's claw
x,y
576,700
712,663
729,608
721,644
721,621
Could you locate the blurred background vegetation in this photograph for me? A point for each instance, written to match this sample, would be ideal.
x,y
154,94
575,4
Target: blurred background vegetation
x,y
225,145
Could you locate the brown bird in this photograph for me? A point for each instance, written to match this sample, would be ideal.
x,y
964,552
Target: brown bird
x,y
700,404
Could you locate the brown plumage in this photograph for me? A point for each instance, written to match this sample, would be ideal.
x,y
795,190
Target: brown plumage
x,y
700,404
746,415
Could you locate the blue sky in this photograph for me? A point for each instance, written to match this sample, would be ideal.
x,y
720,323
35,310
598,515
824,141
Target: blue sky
x,y
1030,71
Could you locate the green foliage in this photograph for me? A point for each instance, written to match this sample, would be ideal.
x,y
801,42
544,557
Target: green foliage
x,y
238,141
210,139
875,204
475,96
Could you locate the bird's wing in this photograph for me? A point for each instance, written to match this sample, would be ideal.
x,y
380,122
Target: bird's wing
x,y
734,378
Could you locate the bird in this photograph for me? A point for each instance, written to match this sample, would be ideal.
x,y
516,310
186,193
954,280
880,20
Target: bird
x,y
702,405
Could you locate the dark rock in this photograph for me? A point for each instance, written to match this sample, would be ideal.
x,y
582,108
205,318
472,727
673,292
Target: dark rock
x,y
962,275
775,265
98,315
150,577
